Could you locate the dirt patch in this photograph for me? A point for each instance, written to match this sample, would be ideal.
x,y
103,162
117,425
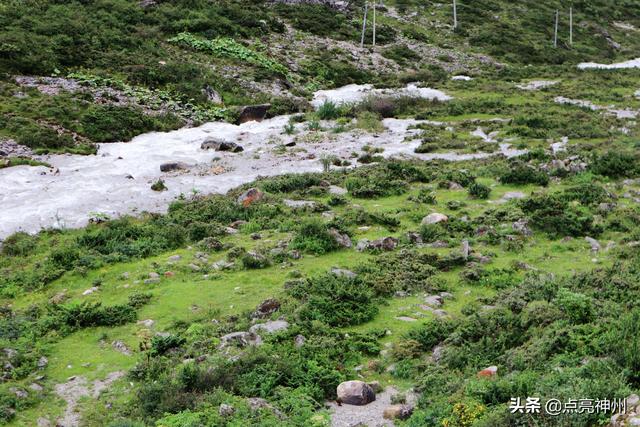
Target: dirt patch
x,y
77,388
368,415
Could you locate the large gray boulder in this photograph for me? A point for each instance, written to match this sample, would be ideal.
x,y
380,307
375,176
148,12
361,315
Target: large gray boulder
x,y
355,393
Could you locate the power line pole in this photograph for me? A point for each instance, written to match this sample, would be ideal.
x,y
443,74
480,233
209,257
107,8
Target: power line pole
x,y
374,23
555,33
571,25
364,23
455,15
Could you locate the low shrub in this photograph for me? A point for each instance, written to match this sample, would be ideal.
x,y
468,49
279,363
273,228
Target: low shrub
x,y
522,174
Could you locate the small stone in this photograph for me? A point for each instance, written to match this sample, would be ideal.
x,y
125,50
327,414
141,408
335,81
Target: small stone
x,y
173,166
343,272
42,362
174,258
434,301
226,410
147,323
397,412
270,327
250,196
121,347
434,218
595,245
90,291
406,319
299,341
36,387
489,372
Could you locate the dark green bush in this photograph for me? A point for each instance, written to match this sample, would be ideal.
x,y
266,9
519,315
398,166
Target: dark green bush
x,y
336,300
312,235
479,191
555,216
521,174
614,164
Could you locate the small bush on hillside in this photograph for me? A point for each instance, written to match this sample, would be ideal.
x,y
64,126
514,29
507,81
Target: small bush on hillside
x,y
587,194
616,165
312,235
555,216
18,244
337,300
522,174
479,191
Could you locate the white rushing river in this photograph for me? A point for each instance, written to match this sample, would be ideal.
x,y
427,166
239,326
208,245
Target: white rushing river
x,y
117,180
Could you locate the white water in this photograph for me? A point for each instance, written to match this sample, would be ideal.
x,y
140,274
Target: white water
x,y
78,187
352,94
634,63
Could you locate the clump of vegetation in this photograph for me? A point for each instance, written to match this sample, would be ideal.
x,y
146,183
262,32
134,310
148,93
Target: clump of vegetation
x,y
479,191
522,174
226,47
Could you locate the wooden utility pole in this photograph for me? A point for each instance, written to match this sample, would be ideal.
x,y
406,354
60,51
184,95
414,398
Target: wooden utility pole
x,y
571,25
364,23
555,33
374,23
455,15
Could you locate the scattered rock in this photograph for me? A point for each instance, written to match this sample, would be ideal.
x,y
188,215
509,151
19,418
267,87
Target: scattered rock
x,y
266,308
436,353
466,249
355,393
36,387
337,191
397,412
220,145
299,341
90,291
252,113
173,166
522,226
174,258
147,323
299,204
406,319
270,327
434,301
42,362
342,239
59,298
343,272
384,244
595,245
226,410
250,196
376,386
434,218
240,339
489,372
121,347
513,195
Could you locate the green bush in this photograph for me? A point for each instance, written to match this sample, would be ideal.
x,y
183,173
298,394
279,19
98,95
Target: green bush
x,y
479,191
336,300
522,174
312,235
614,164
555,216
